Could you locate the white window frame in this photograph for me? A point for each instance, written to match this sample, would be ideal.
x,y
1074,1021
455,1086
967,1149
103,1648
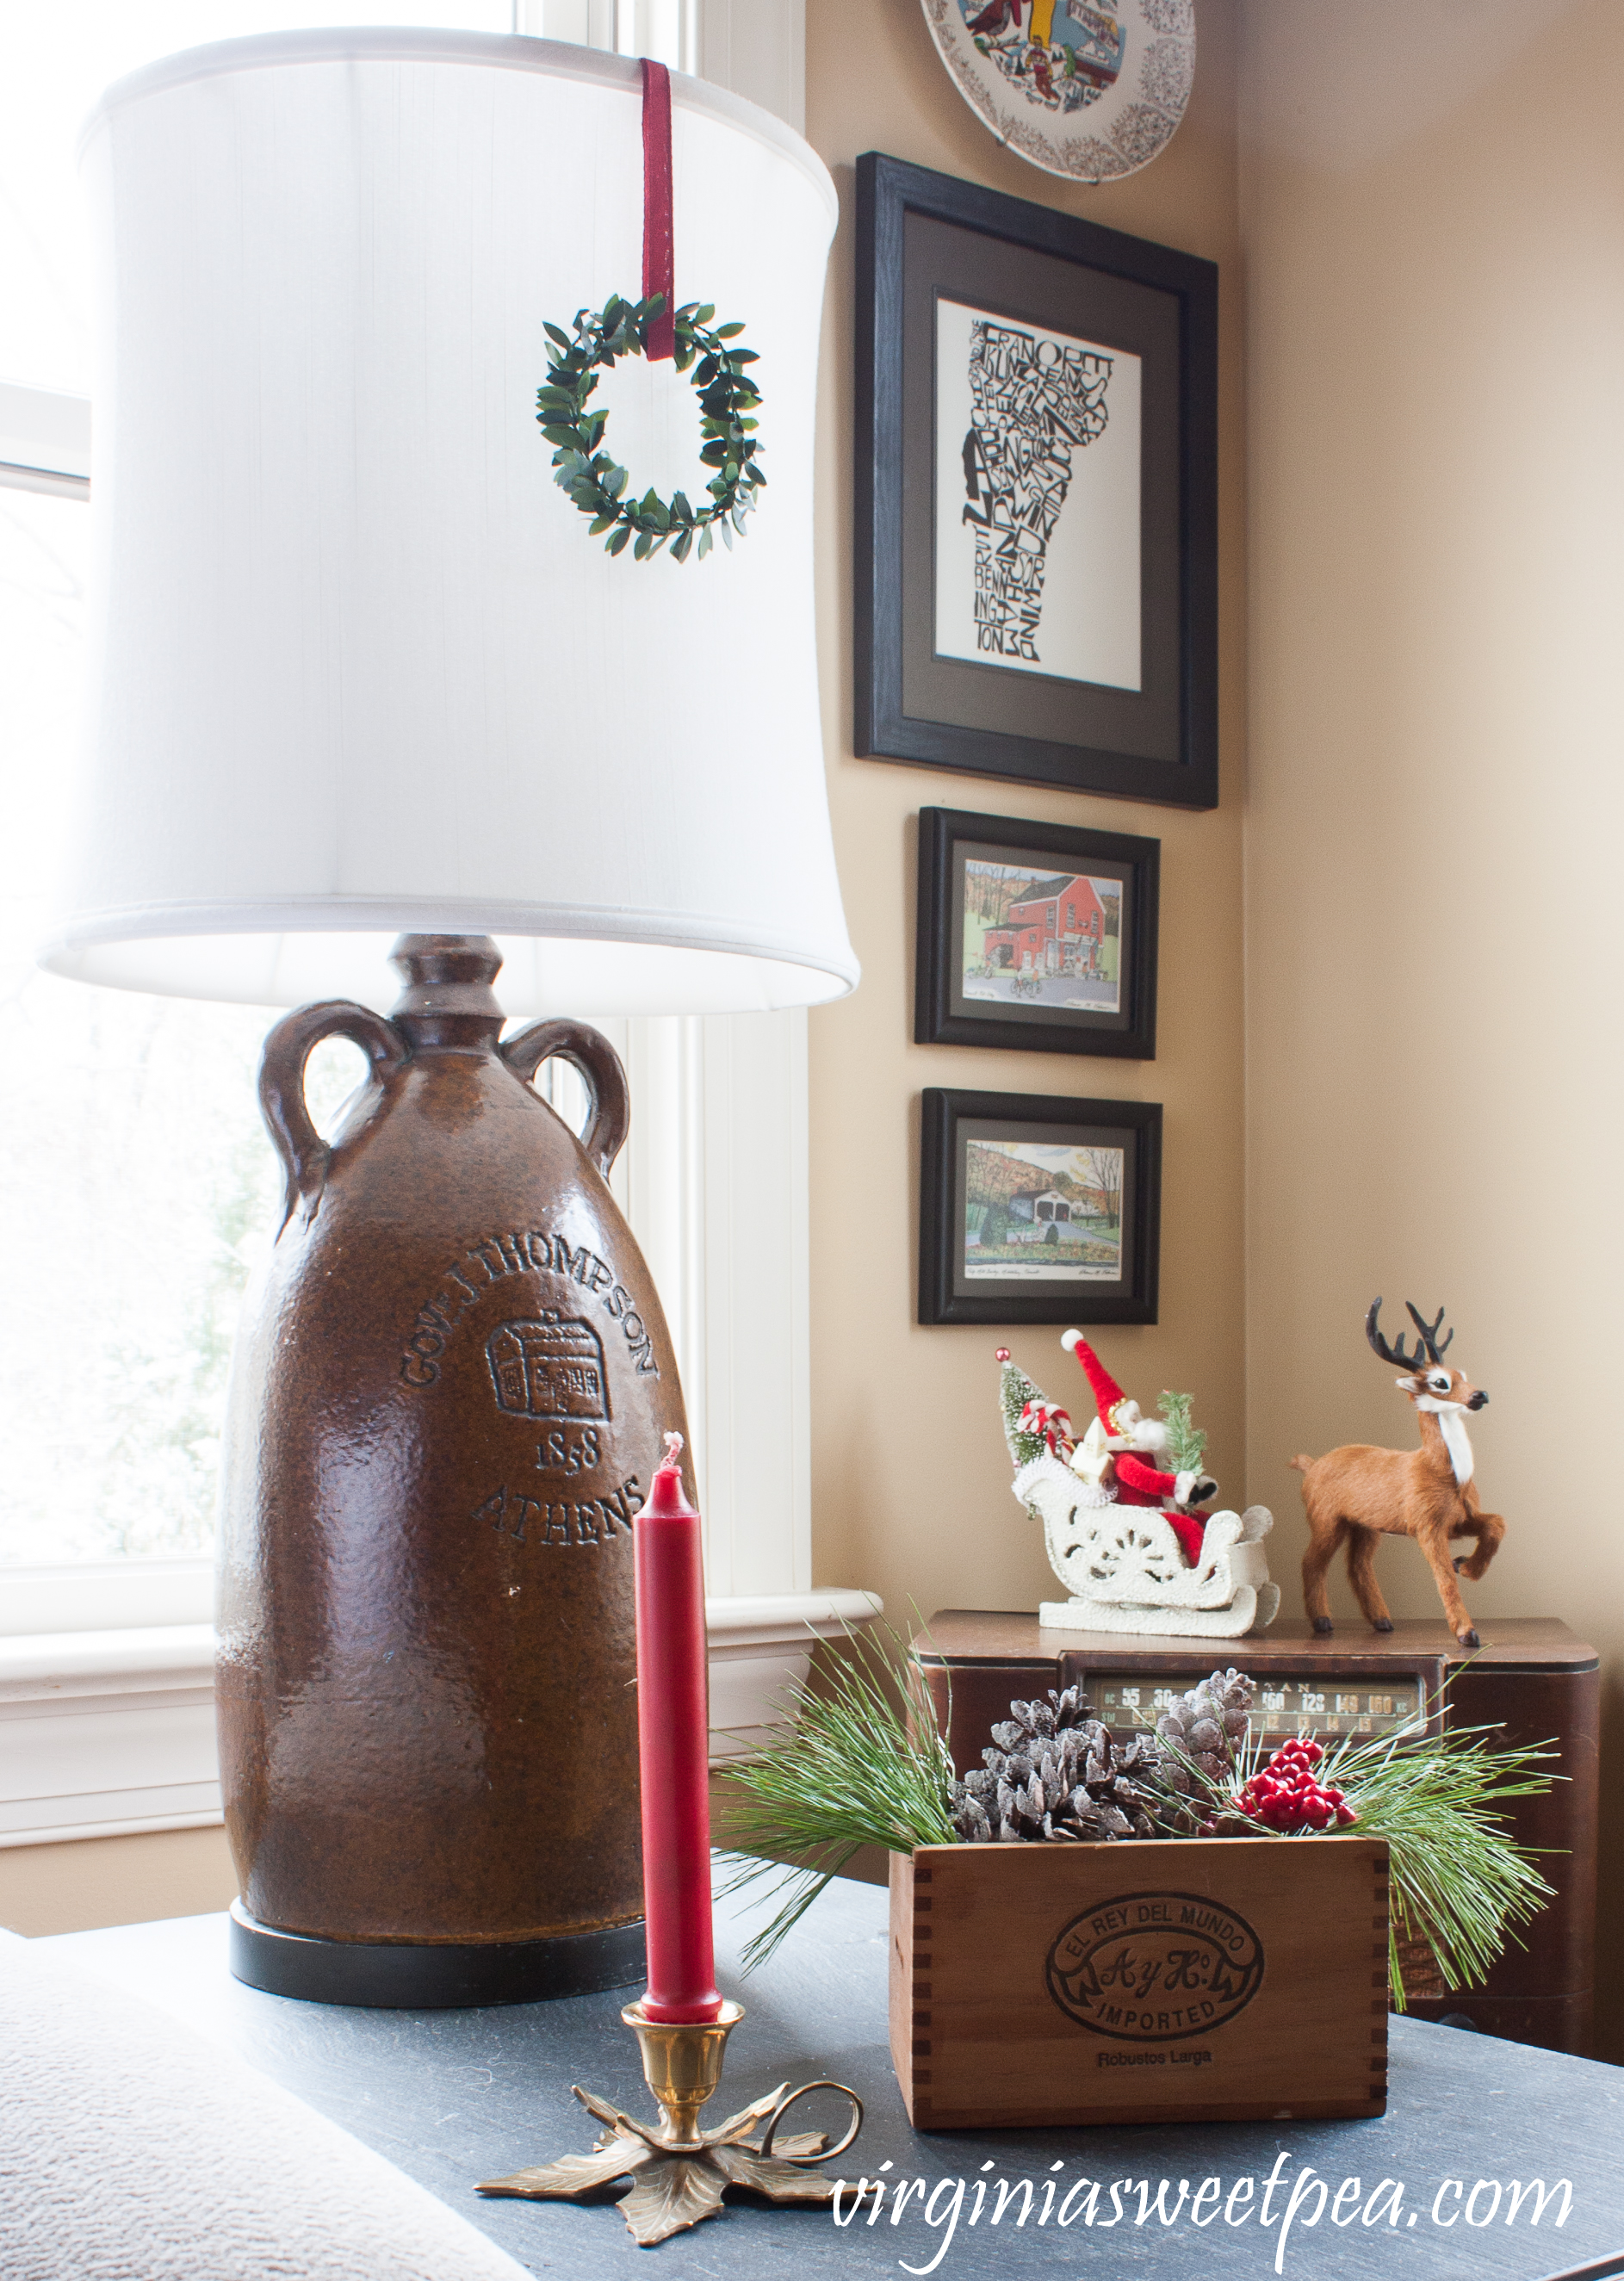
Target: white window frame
x,y
44,440
106,1673
757,48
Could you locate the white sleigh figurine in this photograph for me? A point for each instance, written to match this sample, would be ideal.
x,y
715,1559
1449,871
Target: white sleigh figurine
x,y
1130,1567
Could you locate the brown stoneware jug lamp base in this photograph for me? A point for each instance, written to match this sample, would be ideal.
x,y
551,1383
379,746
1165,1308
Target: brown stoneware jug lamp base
x,y
406,1975
448,1397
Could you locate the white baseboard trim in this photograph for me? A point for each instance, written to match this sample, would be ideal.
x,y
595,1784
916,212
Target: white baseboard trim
x,y
104,1734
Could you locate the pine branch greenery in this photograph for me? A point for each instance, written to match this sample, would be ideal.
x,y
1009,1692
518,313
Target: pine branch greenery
x,y
1186,1443
863,1763
1459,1881
728,399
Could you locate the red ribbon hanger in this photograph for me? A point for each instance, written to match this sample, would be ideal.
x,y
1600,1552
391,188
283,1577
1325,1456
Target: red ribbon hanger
x,y
658,259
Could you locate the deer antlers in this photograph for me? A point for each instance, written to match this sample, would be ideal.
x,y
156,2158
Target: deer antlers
x,y
1426,1346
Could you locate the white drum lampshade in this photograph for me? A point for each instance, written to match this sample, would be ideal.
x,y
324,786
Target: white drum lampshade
x,y
358,666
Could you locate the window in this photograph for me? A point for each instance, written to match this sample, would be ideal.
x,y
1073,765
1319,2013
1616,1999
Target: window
x,y
667,30
133,1185
136,1181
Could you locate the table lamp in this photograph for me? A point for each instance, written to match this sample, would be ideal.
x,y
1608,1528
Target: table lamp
x,y
361,669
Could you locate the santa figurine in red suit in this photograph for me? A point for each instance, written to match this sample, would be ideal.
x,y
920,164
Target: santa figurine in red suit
x,y
1114,1460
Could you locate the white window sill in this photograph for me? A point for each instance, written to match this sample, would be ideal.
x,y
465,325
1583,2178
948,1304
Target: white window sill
x,y
105,1733
42,1667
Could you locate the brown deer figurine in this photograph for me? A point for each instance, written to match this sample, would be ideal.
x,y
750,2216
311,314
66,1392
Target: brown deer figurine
x,y
1358,1493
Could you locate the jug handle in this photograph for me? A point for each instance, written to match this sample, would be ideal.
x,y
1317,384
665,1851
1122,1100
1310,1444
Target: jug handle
x,y
588,1053
304,1155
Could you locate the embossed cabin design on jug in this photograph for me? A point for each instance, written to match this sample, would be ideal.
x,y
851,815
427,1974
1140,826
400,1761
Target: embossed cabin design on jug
x,y
447,1401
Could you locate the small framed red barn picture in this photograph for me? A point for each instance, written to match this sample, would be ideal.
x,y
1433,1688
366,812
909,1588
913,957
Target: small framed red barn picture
x,y
1040,938
1037,1208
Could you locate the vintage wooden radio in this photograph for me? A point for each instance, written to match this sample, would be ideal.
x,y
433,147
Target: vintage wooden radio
x,y
1531,1679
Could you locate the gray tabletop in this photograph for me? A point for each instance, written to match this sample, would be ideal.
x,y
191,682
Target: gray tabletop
x,y
452,2096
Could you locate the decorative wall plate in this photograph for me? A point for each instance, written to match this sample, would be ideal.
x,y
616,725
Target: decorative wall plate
x,y
1089,89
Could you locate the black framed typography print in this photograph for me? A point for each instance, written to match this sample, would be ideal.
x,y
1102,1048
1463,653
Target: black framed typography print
x,y
1037,493
1036,1208
1040,938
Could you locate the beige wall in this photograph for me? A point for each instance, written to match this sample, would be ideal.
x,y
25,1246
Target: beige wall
x,y
1435,815
910,1482
102,1881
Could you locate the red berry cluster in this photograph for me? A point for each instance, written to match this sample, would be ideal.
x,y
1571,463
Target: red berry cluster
x,y
1285,1795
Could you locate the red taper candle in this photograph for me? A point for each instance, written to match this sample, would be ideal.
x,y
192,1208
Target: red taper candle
x,y
674,1740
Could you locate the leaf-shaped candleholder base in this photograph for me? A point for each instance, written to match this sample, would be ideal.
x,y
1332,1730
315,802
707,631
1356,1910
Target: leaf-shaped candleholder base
x,y
678,2172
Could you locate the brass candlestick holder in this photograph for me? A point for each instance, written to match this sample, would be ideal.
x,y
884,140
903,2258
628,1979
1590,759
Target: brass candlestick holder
x,y
679,2172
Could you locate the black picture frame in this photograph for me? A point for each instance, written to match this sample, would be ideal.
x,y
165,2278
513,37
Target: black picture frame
x,y
925,238
952,1289
948,1011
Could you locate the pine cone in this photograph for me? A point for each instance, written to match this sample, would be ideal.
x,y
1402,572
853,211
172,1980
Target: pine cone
x,y
1055,1772
1209,1725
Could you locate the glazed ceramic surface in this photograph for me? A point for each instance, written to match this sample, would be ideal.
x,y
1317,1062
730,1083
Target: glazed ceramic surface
x,y
447,1401
1090,88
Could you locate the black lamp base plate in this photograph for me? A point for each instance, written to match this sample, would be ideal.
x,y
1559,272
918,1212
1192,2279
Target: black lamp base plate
x,y
432,1975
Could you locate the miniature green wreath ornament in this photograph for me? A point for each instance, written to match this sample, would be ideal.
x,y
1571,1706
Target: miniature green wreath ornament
x,y
727,398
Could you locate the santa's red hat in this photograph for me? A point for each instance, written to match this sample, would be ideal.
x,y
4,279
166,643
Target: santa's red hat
x,y
1108,1395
